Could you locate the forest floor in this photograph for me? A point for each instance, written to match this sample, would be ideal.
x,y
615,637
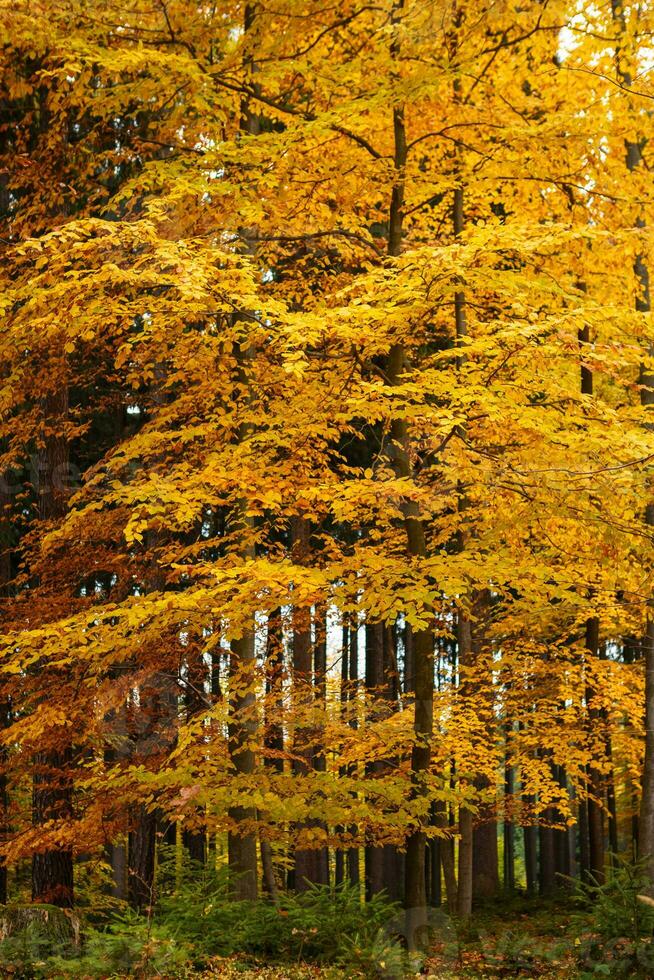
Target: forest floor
x,y
500,943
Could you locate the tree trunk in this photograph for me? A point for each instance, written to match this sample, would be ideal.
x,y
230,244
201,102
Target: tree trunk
x,y
320,688
353,856
485,870
415,898
530,834
308,863
381,862
5,699
509,831
634,160
546,856
595,781
465,877
446,855
141,849
464,891
197,676
339,856
242,841
52,870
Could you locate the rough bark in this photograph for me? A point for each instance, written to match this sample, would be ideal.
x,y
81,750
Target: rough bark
x,y
485,870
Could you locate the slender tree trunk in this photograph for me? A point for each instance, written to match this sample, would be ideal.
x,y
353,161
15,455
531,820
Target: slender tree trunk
x,y
5,700
340,854
530,834
242,841
464,890
320,687
52,870
509,830
561,837
485,869
273,736
197,676
446,855
546,856
464,894
595,781
353,872
273,730
141,849
634,160
415,899
307,862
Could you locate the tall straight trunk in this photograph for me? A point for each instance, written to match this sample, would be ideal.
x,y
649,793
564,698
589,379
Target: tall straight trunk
x,y
117,850
508,876
595,813
197,675
634,160
572,842
446,854
561,837
308,866
612,807
609,783
584,849
382,862
353,872
273,732
464,891
485,868
464,627
546,856
464,884
446,820
320,689
5,700
242,843
435,890
242,840
273,729
141,850
154,718
530,834
415,898
339,856
595,780
52,870
153,722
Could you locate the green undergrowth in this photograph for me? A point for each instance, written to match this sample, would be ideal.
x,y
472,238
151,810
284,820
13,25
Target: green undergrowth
x,y
197,931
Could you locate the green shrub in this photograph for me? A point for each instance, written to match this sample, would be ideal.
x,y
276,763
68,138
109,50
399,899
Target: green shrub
x,y
318,926
616,925
129,946
195,919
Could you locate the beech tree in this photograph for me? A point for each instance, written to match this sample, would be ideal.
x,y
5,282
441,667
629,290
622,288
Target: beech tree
x,y
366,288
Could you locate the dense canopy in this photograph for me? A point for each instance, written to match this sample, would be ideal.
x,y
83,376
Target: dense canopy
x,y
327,370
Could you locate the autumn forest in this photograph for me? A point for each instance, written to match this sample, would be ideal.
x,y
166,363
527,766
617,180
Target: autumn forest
x,y
326,488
